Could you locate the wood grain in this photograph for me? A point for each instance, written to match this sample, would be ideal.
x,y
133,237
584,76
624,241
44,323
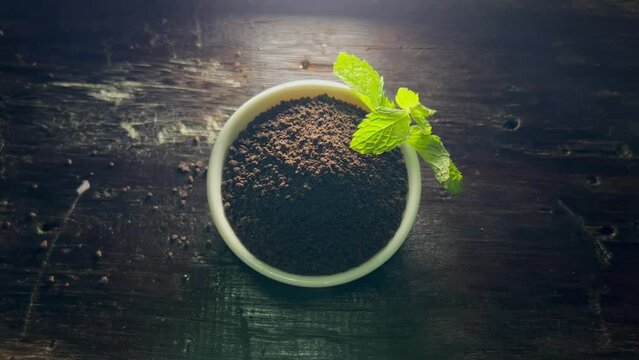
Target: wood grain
x,y
537,102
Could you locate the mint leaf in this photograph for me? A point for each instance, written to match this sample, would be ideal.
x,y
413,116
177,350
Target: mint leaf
x,y
363,79
386,128
421,112
455,179
409,101
432,150
382,130
406,98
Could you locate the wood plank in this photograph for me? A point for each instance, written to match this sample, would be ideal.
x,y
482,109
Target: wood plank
x,y
536,259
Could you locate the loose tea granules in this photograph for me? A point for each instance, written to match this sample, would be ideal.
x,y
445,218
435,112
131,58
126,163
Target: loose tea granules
x,y
301,200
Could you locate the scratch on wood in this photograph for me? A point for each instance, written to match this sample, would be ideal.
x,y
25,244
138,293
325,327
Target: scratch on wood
x,y
594,301
604,256
131,131
244,335
198,33
35,293
115,93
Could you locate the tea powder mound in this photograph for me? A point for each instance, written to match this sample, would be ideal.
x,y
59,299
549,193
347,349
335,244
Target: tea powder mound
x,y
300,199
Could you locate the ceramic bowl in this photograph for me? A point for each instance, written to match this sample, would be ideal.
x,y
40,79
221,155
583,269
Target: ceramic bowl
x,y
238,122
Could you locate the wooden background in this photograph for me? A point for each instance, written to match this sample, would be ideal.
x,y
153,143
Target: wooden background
x,y
538,103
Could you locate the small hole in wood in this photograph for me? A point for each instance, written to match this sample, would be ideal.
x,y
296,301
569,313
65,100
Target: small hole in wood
x,y
607,230
593,180
168,81
545,210
565,150
512,124
49,226
305,64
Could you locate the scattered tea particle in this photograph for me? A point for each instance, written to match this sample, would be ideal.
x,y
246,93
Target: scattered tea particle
x,y
186,277
238,54
6,224
149,194
190,179
174,237
51,279
183,202
32,215
111,164
196,140
69,162
44,244
104,280
227,206
34,186
183,168
98,254
94,152
52,344
625,152
155,207
79,246
66,285
91,173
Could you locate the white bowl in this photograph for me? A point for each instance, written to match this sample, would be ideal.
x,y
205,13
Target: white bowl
x,y
239,121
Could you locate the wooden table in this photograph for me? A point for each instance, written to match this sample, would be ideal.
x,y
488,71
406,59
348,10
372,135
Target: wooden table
x,y
537,101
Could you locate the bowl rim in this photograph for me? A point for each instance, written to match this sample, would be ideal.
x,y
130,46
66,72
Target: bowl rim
x,y
238,122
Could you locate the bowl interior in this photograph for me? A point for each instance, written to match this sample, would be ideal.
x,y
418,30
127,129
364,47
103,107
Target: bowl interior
x,y
238,122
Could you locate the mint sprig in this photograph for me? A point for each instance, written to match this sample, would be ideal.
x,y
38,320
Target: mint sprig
x,y
387,127
363,79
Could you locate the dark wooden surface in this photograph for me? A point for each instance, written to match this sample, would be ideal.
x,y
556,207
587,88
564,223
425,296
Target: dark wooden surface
x,y
538,103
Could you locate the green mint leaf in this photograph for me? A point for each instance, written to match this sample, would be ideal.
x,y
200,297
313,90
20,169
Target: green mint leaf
x,y
382,130
432,150
406,98
455,179
422,112
386,128
363,79
409,101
